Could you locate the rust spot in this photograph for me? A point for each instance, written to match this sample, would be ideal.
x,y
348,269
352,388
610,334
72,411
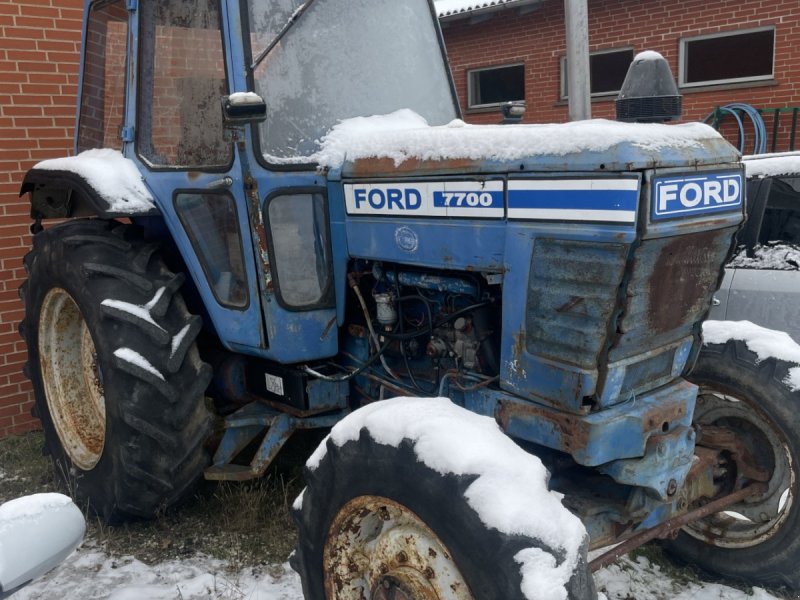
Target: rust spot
x,y
429,573
684,275
432,553
570,304
518,350
369,167
193,175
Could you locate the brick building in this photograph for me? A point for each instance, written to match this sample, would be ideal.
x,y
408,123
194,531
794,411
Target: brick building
x,y
39,56
501,50
721,51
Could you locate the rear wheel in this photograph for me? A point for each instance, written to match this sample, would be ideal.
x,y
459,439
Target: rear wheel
x,y
757,540
119,384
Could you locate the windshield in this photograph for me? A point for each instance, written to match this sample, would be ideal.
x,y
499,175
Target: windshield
x,y
343,59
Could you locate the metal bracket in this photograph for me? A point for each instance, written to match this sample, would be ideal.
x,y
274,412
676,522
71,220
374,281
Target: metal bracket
x,y
127,134
133,5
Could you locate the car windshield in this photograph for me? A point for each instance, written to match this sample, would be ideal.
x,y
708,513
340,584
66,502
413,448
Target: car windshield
x,y
343,59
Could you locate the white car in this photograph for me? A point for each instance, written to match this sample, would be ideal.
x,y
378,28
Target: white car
x,y
36,533
762,281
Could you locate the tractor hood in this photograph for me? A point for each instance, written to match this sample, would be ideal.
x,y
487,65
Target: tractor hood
x,y
403,143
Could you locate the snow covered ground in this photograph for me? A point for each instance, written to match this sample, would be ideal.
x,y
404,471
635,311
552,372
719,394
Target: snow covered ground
x,y
89,574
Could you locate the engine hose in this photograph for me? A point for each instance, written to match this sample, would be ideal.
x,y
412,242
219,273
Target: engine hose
x,y
370,361
354,286
759,128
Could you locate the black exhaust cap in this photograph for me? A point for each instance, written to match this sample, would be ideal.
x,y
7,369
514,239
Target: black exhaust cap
x,y
649,93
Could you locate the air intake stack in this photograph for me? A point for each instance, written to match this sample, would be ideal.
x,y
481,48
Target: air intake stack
x,y
649,93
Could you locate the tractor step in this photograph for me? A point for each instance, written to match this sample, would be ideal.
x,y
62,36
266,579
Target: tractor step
x,y
230,473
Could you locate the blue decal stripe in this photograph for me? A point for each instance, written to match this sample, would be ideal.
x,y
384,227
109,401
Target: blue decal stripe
x,y
573,199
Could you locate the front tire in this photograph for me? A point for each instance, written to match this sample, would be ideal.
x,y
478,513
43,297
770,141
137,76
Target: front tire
x,y
118,382
377,523
756,541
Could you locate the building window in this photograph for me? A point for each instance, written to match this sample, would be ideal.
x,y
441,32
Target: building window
x,y
727,57
607,70
495,85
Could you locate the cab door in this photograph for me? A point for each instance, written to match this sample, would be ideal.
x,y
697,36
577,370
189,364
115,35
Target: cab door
x,y
175,135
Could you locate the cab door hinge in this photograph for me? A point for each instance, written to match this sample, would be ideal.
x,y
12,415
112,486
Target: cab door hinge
x,y
127,134
133,5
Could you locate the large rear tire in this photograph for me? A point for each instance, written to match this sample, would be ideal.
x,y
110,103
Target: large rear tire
x,y
756,541
376,523
118,382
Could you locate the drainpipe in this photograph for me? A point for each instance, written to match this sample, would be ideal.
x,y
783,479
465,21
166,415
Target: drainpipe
x,y
577,21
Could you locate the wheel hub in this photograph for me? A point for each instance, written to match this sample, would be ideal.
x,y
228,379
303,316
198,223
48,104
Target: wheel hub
x,y
755,520
72,379
378,549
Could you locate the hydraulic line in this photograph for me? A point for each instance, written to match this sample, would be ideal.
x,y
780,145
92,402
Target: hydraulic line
x,y
759,128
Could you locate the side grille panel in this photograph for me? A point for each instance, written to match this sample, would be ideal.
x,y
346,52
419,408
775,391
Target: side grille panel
x,y
663,308
572,295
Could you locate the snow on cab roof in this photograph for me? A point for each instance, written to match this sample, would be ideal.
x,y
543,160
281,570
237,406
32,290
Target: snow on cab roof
x,y
405,135
772,165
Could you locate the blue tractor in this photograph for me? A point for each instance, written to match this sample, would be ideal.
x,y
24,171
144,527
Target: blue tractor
x,y
240,241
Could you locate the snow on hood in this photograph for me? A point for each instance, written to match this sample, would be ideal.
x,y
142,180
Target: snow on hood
x,y
765,343
510,481
404,135
772,165
115,178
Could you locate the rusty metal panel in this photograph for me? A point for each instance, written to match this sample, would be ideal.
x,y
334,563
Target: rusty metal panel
x,y
671,286
572,295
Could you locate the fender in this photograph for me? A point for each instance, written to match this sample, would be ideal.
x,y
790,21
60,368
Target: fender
x,y
63,193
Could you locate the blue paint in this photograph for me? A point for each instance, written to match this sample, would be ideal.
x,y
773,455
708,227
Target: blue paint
x,y
573,199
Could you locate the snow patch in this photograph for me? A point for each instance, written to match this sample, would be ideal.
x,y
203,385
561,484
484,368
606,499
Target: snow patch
x,y
776,256
405,135
177,339
115,178
450,439
140,312
446,8
772,165
32,506
647,55
134,358
765,343
298,502
244,98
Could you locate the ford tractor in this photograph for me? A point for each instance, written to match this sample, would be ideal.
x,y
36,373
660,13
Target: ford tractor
x,y
275,220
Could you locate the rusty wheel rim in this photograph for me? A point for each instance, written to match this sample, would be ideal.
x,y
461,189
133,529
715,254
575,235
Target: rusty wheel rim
x,y
71,379
756,520
378,549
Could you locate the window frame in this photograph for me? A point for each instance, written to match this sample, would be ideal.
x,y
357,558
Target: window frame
x,y
201,258
471,87
139,103
327,297
98,5
683,57
562,89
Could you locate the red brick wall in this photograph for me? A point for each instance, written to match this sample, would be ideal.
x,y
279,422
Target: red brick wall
x,y
39,55
537,40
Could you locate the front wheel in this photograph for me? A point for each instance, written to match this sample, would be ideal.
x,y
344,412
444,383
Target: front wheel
x,y
406,516
758,540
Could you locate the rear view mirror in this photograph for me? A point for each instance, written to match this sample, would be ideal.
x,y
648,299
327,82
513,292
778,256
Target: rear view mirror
x,y
242,108
36,534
